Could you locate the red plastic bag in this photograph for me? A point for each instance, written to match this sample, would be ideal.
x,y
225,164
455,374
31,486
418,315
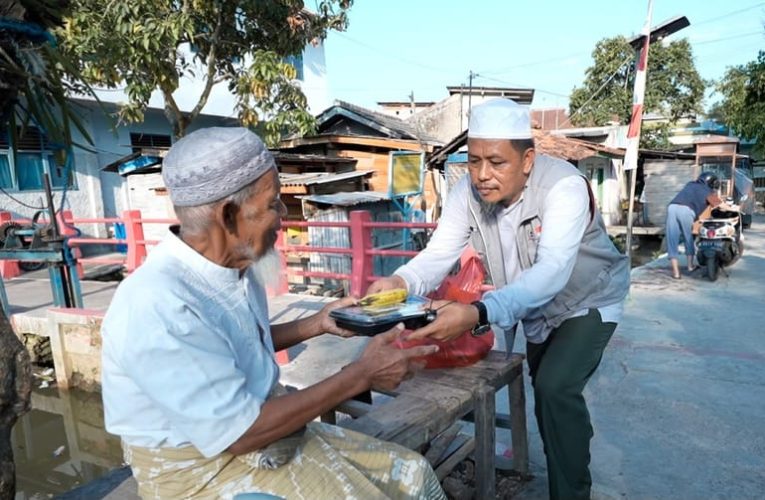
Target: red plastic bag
x,y
463,287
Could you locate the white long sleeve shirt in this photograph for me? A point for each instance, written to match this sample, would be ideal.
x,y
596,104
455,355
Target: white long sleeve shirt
x,y
187,352
565,218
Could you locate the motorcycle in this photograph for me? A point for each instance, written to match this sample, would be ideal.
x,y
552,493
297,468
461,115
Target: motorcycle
x,y
718,244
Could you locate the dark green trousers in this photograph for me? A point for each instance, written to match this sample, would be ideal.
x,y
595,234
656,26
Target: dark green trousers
x,y
559,369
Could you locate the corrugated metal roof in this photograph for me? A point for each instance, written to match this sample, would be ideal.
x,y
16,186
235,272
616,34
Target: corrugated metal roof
x,y
346,199
388,125
282,157
311,178
553,145
519,95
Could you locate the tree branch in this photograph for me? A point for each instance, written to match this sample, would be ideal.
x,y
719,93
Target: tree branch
x,y
211,60
174,113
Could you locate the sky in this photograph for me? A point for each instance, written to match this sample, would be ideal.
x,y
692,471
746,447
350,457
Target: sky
x,y
396,47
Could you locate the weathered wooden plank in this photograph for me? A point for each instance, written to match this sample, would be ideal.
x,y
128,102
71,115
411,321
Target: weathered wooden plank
x,y
354,408
407,420
518,426
462,451
484,442
493,370
440,444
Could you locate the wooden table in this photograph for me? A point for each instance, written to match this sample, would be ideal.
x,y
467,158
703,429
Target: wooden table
x,y
425,410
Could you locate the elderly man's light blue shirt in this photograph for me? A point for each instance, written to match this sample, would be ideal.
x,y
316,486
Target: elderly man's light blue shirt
x,y
187,352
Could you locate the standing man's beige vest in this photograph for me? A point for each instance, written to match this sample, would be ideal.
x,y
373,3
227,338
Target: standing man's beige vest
x,y
601,275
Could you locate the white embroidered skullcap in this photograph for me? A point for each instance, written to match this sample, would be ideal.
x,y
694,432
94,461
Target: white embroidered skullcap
x,y
212,163
499,119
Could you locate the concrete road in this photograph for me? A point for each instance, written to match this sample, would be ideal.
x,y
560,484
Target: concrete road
x,y
678,403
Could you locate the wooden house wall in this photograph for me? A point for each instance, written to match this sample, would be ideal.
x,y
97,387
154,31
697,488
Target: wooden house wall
x,y
369,159
374,161
663,180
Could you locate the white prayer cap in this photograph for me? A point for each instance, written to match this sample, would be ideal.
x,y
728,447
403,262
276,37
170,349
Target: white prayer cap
x,y
499,119
212,163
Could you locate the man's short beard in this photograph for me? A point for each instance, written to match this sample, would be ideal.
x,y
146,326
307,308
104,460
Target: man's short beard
x,y
268,269
487,206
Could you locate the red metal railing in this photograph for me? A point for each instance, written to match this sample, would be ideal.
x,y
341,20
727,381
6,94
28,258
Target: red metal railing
x,y
361,249
134,239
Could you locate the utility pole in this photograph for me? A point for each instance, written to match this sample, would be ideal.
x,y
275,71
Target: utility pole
x,y
470,90
462,98
633,134
641,44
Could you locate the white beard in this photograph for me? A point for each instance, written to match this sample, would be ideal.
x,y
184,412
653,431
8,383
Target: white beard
x,y
268,269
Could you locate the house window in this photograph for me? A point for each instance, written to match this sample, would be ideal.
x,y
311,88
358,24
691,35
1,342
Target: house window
x,y
6,179
140,141
297,63
33,159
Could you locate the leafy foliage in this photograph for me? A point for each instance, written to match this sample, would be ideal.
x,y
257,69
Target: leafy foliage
x,y
145,45
35,77
674,87
743,104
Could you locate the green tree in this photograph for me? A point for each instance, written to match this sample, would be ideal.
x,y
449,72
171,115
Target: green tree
x,y
35,77
743,101
674,87
147,45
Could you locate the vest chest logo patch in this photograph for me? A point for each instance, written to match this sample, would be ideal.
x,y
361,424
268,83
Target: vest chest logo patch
x,y
534,230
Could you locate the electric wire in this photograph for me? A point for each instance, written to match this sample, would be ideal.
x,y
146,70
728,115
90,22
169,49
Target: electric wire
x,y
700,23
398,58
536,89
568,119
9,195
743,35
729,14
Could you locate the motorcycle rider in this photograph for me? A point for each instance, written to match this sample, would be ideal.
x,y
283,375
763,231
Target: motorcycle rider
x,y
683,210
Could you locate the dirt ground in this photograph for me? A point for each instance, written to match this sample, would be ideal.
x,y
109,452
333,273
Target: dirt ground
x,y
460,484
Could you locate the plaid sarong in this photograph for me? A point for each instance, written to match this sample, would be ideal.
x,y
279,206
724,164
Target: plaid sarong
x,y
328,463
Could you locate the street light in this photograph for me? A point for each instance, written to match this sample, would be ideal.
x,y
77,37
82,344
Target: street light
x,y
661,31
640,44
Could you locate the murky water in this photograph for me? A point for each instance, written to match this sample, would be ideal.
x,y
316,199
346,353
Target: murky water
x,y
648,248
62,444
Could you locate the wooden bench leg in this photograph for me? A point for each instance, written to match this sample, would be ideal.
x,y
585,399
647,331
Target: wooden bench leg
x,y
484,442
518,425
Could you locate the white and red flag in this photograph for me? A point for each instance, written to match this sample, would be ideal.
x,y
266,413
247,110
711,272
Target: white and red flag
x,y
633,133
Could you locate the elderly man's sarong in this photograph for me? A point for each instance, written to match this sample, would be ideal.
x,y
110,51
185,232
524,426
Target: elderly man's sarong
x,y
330,462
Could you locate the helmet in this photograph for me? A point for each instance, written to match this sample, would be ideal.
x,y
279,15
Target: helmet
x,y
709,179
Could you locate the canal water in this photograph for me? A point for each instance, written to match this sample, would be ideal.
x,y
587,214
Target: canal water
x,y
61,443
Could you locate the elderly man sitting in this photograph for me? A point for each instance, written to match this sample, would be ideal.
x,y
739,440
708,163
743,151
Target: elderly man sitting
x,y
189,378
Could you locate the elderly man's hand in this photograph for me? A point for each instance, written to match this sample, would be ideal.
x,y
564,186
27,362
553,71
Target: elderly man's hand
x,y
386,366
327,325
389,283
452,319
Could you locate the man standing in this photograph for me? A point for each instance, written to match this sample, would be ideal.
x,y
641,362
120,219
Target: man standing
x,y
189,377
533,220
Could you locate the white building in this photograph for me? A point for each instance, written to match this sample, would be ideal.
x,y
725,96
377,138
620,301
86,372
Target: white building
x,y
92,193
